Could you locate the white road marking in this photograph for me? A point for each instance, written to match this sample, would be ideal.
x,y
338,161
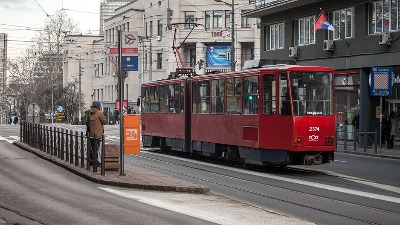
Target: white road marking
x,y
302,182
215,209
340,161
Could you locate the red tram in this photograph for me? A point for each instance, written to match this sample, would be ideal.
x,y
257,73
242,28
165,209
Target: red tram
x,y
276,115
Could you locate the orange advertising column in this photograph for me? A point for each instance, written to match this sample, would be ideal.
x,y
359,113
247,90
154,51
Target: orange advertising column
x,y
131,134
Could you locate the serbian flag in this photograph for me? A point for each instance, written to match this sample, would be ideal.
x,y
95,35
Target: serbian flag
x,y
323,23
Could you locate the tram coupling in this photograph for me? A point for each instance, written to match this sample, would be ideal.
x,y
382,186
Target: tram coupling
x,y
313,159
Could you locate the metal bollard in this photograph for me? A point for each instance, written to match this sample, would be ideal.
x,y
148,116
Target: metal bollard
x,y
365,140
345,139
62,144
66,145
76,149
376,141
88,146
103,161
94,154
82,152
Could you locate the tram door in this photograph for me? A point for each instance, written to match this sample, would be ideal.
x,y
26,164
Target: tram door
x,y
394,105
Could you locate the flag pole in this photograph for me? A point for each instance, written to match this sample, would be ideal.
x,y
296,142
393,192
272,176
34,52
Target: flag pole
x,y
327,18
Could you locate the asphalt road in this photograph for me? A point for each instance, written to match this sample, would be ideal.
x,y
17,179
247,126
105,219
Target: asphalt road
x,y
351,190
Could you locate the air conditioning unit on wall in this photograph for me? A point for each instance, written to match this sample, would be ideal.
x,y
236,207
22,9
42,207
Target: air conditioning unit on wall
x,y
158,38
293,52
385,39
329,45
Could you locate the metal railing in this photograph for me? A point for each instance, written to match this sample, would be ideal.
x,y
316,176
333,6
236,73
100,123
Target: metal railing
x,y
357,140
68,145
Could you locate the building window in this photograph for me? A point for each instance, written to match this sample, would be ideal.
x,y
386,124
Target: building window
x,y
304,31
151,29
217,19
146,30
246,21
159,28
189,19
275,36
384,16
342,20
228,19
159,60
192,57
207,20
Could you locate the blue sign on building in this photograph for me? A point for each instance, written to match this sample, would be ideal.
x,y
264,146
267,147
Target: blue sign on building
x,y
381,81
218,56
129,63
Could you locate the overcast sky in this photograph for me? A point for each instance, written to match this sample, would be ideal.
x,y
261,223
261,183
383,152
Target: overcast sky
x,y
19,18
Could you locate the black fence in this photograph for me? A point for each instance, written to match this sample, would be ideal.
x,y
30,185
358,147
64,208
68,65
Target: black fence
x,y
357,141
68,145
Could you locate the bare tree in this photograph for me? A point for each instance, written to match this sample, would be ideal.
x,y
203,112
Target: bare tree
x,y
36,76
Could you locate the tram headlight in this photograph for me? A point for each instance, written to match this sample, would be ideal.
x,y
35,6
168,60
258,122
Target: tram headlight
x,y
298,139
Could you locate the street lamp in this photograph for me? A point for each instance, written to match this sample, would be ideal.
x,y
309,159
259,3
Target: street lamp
x,y
232,32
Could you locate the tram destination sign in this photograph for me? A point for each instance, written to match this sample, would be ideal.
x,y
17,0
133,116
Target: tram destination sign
x,y
381,81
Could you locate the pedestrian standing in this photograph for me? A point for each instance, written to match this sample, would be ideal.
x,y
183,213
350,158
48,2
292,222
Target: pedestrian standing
x,y
392,129
129,109
116,115
95,125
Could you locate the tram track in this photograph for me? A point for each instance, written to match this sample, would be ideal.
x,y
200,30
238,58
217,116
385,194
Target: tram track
x,y
269,196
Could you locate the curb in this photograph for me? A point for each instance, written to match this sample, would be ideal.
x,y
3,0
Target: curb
x,y
97,178
369,154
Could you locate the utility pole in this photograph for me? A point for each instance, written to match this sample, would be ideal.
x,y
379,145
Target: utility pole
x,y
121,97
233,37
151,63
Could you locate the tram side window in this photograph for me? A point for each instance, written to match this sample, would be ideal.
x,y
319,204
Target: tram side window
x,y
250,95
173,99
269,96
145,100
204,97
181,96
233,92
163,98
284,101
194,97
217,96
154,101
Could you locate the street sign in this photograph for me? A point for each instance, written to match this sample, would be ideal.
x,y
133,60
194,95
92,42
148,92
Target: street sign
x,y
129,52
381,81
60,108
129,63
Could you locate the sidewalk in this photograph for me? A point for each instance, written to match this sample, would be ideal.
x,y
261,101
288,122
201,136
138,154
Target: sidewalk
x,y
384,152
135,176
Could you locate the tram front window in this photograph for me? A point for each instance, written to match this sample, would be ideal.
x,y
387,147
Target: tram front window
x,y
311,93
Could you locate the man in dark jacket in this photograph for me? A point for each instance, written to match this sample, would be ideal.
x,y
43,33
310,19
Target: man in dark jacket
x,y
96,122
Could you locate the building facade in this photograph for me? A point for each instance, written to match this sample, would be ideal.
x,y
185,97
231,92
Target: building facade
x,y
366,36
107,8
179,34
82,65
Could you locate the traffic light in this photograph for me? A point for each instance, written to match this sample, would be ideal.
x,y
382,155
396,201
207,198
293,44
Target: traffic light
x,y
201,62
81,71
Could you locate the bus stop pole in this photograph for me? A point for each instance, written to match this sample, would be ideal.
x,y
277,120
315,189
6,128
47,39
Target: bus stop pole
x,y
121,98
